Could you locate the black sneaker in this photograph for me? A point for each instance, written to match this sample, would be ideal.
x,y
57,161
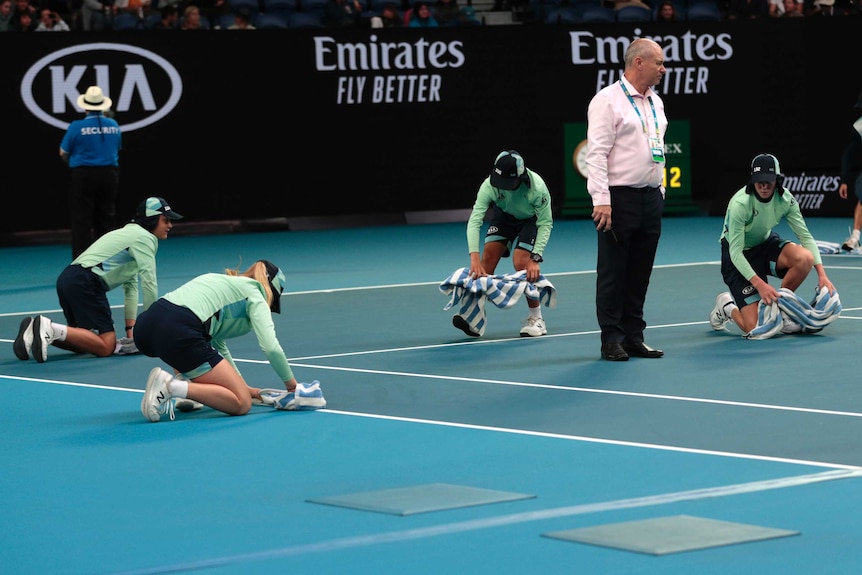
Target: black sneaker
x,y
462,324
24,341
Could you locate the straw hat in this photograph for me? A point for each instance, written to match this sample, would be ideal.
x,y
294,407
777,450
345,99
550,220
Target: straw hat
x,y
94,100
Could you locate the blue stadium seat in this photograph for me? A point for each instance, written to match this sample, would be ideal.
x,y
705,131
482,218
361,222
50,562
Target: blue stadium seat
x,y
598,14
126,21
703,10
266,20
634,14
563,15
306,20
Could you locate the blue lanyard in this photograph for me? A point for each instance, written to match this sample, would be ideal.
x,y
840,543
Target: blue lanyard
x,y
651,105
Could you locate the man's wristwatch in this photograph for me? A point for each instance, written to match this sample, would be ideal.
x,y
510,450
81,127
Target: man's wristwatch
x,y
536,258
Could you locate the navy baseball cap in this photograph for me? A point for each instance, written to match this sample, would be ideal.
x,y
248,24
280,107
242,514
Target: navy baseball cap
x,y
508,170
276,284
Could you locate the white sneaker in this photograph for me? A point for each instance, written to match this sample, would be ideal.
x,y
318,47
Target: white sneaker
x,y
157,396
43,335
185,404
850,244
533,327
719,316
24,341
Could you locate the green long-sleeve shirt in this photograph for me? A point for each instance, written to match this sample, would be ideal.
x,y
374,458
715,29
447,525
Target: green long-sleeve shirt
x,y
749,222
523,203
122,256
241,306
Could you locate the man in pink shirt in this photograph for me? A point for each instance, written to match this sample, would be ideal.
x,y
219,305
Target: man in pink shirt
x,y
625,160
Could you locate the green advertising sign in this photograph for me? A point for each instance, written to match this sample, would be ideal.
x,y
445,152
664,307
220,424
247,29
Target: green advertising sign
x,y
677,173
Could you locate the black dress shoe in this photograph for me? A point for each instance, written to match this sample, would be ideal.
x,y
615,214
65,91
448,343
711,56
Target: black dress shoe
x,y
614,352
640,349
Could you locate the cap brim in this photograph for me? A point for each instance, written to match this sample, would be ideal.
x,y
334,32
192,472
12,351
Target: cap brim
x,y
172,215
504,183
761,178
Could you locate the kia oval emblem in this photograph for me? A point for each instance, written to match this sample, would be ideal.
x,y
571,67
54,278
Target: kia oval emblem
x,y
144,86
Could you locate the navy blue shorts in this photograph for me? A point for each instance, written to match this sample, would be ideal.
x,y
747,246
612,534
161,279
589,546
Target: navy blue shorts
x,y
763,258
503,227
83,297
175,335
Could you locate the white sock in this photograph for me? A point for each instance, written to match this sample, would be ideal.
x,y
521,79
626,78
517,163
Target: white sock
x,y
59,331
536,312
855,234
179,387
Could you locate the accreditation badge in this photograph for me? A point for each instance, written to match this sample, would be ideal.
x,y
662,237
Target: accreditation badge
x,y
657,150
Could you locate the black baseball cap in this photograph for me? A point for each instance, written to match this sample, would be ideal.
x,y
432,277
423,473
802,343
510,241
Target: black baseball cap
x,y
508,170
155,206
764,168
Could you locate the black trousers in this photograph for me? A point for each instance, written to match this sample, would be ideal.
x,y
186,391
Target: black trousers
x,y
92,204
625,261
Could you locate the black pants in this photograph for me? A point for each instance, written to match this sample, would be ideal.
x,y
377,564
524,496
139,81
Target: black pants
x,y
625,261
92,204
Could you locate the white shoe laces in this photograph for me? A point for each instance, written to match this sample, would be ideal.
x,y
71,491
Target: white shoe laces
x,y
167,408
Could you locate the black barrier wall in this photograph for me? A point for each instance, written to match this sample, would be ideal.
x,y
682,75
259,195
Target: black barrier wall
x,y
299,123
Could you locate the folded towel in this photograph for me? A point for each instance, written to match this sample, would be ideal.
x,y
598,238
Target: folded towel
x,y
501,290
828,247
831,248
306,397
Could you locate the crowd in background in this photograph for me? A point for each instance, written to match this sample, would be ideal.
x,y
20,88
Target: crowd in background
x,y
87,15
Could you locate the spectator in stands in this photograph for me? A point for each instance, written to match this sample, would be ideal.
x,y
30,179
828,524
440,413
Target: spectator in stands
x,y
7,16
421,16
139,8
666,12
748,9
776,8
623,3
342,14
95,15
25,6
170,16
50,21
447,13
192,19
792,9
24,22
213,10
242,20
827,8
390,17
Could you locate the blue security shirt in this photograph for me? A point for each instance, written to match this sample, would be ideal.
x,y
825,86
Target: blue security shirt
x,y
93,141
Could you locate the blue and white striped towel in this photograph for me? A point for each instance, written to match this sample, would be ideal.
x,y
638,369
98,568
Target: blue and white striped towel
x,y
501,290
306,397
792,314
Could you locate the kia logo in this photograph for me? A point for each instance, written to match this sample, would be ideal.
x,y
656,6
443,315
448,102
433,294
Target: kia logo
x,y
144,86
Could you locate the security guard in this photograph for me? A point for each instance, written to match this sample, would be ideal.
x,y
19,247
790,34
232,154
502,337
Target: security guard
x,y
91,148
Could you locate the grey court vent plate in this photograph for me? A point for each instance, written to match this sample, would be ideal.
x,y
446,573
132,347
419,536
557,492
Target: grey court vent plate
x,y
420,498
666,535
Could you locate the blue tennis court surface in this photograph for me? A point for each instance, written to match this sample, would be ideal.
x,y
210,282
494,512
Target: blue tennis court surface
x,y
465,453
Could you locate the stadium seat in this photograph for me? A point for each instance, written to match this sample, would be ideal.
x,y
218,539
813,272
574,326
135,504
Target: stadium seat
x,y
126,21
266,20
563,15
703,10
598,14
306,20
634,14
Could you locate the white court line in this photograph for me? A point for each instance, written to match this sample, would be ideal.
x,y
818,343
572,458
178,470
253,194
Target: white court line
x,y
585,439
501,521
